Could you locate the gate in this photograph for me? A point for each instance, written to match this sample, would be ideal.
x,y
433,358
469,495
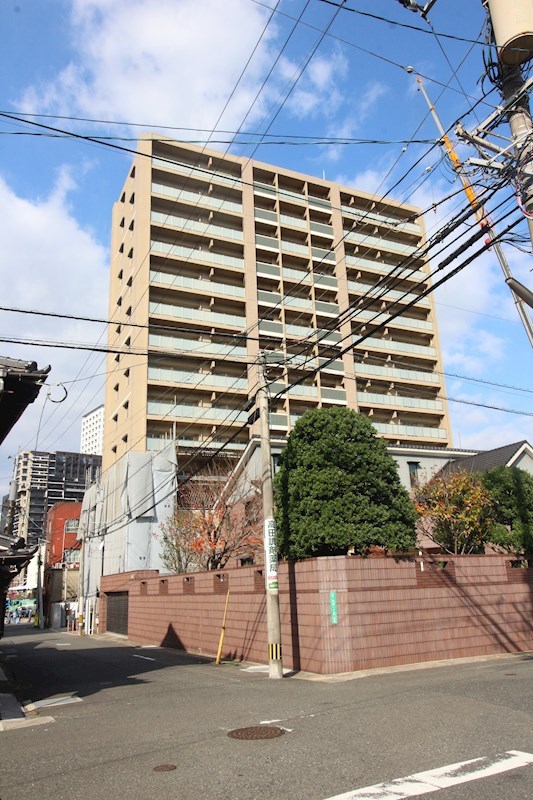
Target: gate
x,y
117,612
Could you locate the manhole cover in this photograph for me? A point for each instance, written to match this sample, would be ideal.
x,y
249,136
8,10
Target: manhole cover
x,y
257,732
165,768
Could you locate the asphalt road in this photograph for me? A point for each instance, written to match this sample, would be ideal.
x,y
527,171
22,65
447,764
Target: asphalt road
x,y
139,708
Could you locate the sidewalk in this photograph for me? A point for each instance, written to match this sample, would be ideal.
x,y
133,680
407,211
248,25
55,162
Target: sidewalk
x,y
12,714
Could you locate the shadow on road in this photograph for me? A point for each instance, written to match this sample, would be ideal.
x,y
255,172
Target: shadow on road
x,y
47,663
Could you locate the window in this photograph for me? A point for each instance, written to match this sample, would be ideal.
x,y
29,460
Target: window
x,y
414,469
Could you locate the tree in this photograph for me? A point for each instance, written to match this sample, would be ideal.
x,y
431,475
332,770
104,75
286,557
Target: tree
x,y
511,490
456,512
337,488
212,523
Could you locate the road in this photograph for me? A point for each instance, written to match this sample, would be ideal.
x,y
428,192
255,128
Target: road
x,y
129,710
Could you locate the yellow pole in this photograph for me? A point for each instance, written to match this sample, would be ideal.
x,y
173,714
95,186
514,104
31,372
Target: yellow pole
x,y
222,632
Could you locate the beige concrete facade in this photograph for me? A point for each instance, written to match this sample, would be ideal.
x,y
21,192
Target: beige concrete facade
x,y
215,258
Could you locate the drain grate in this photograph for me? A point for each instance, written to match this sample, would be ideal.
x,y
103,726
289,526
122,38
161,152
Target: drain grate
x,y
165,768
257,732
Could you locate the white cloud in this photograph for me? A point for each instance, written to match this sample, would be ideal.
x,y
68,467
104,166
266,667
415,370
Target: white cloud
x,y
319,91
55,265
158,63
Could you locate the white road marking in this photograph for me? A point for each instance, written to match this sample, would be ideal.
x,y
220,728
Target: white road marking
x,y
435,779
146,658
48,702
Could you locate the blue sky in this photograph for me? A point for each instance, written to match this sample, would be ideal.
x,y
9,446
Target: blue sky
x,y
149,63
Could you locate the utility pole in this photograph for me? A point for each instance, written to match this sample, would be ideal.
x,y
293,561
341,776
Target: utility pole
x,y
512,26
12,502
275,666
482,218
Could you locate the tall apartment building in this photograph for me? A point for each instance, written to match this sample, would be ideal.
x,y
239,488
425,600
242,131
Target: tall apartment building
x,y
44,479
216,258
92,431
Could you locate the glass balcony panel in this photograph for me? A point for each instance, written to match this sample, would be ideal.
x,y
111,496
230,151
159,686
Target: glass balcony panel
x,y
267,269
372,216
335,366
292,247
373,342
403,273
326,308
333,394
188,346
318,227
418,431
271,298
296,275
374,398
262,214
298,302
183,282
197,198
294,222
171,375
380,243
197,314
396,373
325,280
390,294
192,254
203,228
184,411
323,255
201,173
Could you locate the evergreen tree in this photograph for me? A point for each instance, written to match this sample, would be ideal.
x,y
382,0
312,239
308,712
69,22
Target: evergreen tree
x,y
337,488
511,490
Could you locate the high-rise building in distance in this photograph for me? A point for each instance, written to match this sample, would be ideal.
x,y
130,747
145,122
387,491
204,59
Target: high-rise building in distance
x,y
92,431
216,258
44,479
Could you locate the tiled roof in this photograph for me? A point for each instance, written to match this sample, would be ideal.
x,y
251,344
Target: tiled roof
x,y
485,459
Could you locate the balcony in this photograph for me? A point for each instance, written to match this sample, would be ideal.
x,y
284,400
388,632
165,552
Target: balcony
x,y
396,374
403,273
386,294
203,228
377,243
190,347
397,401
382,219
199,173
211,318
207,414
199,199
373,343
195,254
413,431
196,285
200,379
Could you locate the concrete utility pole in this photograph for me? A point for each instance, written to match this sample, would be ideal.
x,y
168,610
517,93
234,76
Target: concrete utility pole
x,y
482,218
512,25
275,666
12,502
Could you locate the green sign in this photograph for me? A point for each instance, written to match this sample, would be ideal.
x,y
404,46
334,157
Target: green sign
x,y
333,608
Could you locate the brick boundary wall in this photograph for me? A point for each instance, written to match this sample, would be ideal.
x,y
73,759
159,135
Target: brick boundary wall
x,y
382,612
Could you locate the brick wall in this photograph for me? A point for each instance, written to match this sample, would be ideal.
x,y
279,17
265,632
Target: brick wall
x,y
339,614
